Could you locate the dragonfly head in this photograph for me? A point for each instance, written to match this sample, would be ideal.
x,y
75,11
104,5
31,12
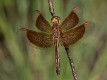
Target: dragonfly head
x,y
55,19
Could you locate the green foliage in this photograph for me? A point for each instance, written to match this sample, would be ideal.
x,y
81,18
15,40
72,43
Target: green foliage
x,y
20,60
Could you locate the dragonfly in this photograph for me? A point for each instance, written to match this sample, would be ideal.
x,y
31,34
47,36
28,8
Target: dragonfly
x,y
64,34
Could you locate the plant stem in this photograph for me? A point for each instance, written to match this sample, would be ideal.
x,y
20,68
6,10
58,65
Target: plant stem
x,y
71,63
51,9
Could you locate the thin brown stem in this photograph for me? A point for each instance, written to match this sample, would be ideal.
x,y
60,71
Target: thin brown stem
x,y
51,9
71,63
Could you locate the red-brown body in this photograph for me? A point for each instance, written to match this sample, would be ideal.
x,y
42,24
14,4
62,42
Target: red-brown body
x,y
56,34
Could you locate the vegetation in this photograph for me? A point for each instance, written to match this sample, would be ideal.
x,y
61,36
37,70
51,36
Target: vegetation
x,y
20,60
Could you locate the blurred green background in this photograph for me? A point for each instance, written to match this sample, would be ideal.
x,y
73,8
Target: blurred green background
x,y
20,60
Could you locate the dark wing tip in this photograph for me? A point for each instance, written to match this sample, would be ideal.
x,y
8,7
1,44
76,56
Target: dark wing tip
x,y
23,29
37,11
87,22
75,8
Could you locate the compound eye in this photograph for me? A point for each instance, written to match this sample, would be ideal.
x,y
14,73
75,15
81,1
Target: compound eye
x,y
58,19
55,19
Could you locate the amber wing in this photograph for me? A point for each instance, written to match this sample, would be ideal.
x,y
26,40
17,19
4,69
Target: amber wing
x,y
73,35
42,23
70,22
39,39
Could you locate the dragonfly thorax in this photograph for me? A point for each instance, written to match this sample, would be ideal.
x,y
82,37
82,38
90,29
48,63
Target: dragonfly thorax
x,y
56,31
